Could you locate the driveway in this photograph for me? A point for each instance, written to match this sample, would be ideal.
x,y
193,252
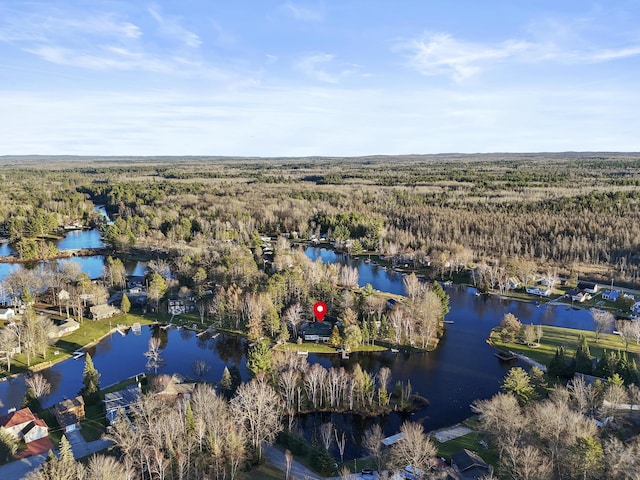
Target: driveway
x,y
82,448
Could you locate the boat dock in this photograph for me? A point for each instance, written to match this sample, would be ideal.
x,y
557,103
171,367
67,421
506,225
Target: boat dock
x,y
505,356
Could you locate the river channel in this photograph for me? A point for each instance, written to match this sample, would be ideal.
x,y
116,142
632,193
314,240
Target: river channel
x,y
461,370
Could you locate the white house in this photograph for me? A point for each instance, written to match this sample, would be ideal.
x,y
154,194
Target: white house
x,y
7,313
35,431
24,425
538,291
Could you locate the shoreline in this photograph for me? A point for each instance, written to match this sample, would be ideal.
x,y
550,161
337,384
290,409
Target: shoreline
x,y
63,356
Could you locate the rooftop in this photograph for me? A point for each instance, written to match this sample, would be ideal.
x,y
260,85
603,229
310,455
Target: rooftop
x,y
17,418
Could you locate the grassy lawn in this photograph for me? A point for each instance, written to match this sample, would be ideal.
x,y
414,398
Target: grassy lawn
x,y
313,347
95,422
306,347
470,442
55,431
554,337
89,332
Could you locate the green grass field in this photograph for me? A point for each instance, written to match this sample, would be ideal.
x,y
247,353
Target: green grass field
x,y
470,442
313,347
568,338
89,332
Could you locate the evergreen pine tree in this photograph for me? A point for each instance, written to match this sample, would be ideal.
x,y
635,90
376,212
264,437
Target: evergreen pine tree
x,y
90,381
226,383
442,295
30,401
236,379
606,366
283,334
189,419
335,340
125,304
66,466
259,359
539,382
582,357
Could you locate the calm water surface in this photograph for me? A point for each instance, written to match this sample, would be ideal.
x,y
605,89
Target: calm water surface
x,y
461,370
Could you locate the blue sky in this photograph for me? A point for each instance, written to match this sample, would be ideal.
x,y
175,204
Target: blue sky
x,y
339,77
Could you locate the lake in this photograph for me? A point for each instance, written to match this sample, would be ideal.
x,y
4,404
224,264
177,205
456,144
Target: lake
x,y
460,371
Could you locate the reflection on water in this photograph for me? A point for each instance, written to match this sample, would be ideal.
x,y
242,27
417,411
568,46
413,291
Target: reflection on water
x,y
78,239
461,370
118,357
92,265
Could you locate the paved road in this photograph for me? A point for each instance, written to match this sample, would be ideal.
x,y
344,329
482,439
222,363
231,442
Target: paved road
x,y
300,472
20,468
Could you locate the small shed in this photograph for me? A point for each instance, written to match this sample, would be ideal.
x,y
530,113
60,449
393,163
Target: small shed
x,y
7,313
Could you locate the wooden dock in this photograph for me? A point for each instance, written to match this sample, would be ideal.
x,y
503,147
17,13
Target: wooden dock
x,y
505,356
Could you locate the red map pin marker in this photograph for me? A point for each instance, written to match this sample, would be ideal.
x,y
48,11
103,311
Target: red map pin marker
x,y
320,310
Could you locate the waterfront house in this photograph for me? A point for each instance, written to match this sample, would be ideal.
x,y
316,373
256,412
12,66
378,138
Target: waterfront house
x,y
63,327
538,291
177,388
577,295
588,287
69,413
317,331
7,313
100,312
18,421
469,465
122,399
26,426
611,295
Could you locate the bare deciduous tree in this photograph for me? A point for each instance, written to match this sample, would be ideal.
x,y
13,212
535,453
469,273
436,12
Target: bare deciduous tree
x,y
602,321
326,434
341,442
257,406
372,444
525,463
288,459
38,385
414,450
154,354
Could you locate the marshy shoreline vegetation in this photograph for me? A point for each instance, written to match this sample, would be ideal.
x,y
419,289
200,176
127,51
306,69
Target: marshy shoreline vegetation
x,y
203,223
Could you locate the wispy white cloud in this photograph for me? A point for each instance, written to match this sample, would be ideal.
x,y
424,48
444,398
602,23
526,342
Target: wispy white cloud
x,y
318,65
108,41
47,25
318,121
172,27
303,13
442,54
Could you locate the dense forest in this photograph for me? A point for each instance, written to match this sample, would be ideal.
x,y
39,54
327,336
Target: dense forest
x,y
576,212
225,232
